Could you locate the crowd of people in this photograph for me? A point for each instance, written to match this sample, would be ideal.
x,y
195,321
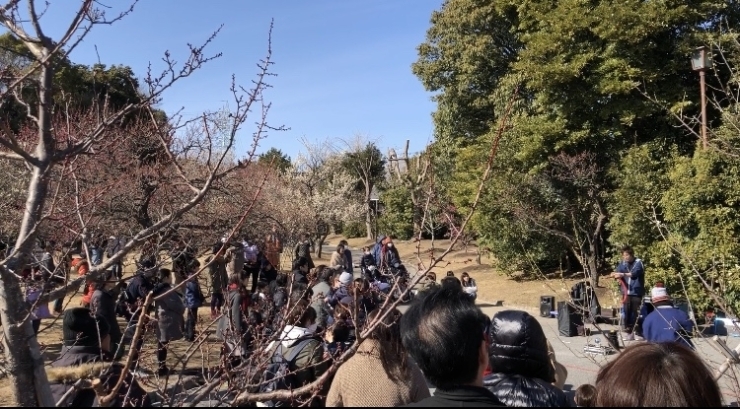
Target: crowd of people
x,y
303,319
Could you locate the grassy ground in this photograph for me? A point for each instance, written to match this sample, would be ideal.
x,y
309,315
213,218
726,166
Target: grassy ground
x,y
492,287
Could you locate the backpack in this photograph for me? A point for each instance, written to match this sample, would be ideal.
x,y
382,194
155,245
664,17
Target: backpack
x,y
278,374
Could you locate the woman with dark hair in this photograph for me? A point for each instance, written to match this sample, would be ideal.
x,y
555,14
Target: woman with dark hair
x,y
523,371
469,286
380,373
669,375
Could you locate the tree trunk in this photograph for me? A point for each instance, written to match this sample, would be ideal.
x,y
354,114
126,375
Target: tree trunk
x,y
320,245
369,211
25,365
24,362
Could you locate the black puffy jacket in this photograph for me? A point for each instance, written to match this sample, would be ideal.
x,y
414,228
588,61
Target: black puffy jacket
x,y
522,372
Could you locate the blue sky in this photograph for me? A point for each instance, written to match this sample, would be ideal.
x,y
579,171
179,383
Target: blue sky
x,y
343,66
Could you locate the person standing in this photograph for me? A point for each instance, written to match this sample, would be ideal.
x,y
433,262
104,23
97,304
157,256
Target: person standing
x,y
113,247
303,249
274,248
217,271
193,300
348,264
631,274
251,263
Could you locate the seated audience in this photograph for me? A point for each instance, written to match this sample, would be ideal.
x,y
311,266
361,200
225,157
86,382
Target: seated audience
x,y
85,354
667,323
585,396
381,358
657,375
452,357
523,374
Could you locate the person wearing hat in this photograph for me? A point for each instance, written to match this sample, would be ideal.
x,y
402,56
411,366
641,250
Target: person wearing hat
x,y
667,323
341,290
85,354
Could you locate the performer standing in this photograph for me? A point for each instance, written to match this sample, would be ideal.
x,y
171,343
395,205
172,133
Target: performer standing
x,y
631,274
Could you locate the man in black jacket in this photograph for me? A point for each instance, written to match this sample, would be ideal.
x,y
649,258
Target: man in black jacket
x,y
452,357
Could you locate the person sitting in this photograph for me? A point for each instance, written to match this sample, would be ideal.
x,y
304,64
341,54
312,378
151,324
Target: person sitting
x,y
469,285
85,354
669,375
301,266
523,374
382,358
452,357
429,282
452,281
666,323
366,261
585,396
341,289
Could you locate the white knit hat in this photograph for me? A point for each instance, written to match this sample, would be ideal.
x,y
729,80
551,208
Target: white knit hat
x,y
345,278
659,294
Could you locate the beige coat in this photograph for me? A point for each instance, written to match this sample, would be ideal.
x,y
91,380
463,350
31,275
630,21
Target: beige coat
x,y
362,381
337,260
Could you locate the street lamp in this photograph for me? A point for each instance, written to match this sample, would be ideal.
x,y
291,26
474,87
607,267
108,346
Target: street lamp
x,y
700,62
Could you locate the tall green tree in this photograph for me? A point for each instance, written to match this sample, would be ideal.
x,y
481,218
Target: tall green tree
x,y
366,164
582,70
277,158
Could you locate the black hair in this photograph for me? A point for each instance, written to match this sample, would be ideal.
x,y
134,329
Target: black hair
x,y
447,354
300,262
340,332
628,250
451,282
281,280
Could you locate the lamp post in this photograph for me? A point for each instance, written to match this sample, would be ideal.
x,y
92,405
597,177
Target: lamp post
x,y
700,62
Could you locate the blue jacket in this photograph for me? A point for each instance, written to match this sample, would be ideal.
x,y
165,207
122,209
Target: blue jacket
x,y
665,324
378,248
193,296
636,283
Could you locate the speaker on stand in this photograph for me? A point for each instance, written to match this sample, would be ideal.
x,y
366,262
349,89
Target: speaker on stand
x,y
547,305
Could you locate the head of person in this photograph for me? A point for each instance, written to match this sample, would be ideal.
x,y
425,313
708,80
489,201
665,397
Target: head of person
x,y
301,264
585,396
362,286
345,279
387,334
281,280
451,282
301,314
165,276
519,346
449,355
324,274
304,237
340,249
235,280
669,375
432,276
464,277
83,329
450,274
366,250
659,296
628,255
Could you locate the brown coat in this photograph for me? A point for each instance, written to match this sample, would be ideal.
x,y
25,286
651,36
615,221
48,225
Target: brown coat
x,y
362,381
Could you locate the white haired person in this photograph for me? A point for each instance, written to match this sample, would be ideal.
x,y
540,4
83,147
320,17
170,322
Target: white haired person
x,y
667,323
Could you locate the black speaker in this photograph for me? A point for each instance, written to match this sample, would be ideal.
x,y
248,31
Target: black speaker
x,y
547,305
568,320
